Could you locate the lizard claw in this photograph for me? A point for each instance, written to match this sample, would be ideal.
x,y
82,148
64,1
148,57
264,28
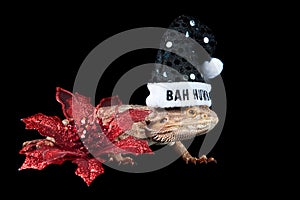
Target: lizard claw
x,y
191,160
186,156
202,159
211,159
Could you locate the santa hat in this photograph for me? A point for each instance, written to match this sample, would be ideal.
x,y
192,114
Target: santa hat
x,y
183,69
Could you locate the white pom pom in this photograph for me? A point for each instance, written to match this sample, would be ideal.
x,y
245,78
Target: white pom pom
x,y
212,68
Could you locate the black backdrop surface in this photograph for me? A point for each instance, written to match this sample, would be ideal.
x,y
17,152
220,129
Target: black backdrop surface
x,y
49,48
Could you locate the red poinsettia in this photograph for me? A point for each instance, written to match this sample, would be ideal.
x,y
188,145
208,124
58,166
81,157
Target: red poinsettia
x,y
82,137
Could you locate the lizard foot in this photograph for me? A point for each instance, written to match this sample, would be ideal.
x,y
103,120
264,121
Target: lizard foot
x,y
203,159
121,159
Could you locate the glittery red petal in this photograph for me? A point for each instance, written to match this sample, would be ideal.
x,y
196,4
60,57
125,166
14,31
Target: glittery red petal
x,y
51,126
110,101
131,145
88,169
41,153
74,106
139,114
45,125
65,97
122,122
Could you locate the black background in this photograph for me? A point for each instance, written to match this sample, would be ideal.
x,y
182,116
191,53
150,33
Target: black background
x,y
48,47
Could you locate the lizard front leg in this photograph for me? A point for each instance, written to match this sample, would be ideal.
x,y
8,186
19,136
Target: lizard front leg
x,y
186,156
121,159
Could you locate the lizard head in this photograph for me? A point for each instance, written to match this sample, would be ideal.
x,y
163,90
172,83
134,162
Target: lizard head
x,y
170,125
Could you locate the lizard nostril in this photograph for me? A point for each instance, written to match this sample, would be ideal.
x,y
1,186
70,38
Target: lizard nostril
x,y
148,122
204,115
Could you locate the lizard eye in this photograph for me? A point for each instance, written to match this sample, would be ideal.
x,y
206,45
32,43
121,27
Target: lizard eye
x,y
148,122
191,112
164,120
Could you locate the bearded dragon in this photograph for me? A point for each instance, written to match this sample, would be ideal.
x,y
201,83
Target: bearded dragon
x,y
166,126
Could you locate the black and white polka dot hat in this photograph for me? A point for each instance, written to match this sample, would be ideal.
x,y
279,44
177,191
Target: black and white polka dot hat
x,y
184,65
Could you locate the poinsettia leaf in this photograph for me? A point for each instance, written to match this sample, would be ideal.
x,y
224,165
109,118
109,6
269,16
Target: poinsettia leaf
x,y
128,145
123,121
115,128
139,114
52,126
110,101
132,145
126,119
88,169
45,125
41,153
74,106
65,98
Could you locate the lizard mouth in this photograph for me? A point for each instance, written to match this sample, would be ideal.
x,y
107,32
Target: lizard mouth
x,y
179,133
163,138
